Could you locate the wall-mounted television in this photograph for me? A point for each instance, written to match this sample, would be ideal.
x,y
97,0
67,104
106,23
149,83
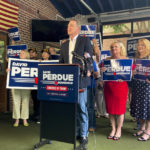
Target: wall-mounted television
x,y
49,30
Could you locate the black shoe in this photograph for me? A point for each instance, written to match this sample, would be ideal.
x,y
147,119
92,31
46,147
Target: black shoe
x,y
84,140
78,138
38,121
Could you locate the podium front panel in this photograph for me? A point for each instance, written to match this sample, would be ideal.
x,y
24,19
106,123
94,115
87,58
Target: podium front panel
x,y
58,83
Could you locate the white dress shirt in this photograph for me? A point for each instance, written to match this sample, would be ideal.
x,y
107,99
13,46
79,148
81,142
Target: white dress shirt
x,y
72,44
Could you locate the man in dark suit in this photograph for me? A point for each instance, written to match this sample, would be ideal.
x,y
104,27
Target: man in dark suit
x,y
81,46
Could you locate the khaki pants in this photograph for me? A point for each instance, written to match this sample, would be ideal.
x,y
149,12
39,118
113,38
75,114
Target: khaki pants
x,y
20,96
100,101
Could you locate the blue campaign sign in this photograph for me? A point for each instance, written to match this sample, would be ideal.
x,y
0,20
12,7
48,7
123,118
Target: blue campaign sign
x,y
99,40
142,68
14,34
14,50
23,73
88,31
104,55
58,83
117,69
132,45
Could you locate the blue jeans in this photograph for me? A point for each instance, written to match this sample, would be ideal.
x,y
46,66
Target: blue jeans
x,y
90,106
82,115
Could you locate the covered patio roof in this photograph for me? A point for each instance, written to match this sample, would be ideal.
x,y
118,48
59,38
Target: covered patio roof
x,y
70,8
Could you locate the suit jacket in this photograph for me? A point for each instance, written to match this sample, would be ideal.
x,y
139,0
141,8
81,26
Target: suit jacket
x,y
82,45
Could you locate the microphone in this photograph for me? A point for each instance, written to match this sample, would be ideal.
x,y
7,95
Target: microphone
x,y
88,57
77,56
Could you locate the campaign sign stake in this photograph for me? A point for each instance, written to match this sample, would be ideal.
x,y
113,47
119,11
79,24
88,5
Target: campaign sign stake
x,y
142,68
117,69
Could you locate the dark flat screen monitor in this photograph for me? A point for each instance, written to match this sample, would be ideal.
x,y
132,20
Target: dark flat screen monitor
x,y
49,30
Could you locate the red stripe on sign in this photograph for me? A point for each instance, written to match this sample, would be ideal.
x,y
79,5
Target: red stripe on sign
x,y
114,73
56,88
36,80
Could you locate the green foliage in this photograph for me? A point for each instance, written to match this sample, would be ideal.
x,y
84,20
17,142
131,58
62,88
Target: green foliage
x,y
116,28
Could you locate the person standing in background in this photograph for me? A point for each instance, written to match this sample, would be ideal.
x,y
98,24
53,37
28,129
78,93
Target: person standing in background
x,y
45,54
21,97
115,93
140,103
33,53
99,92
90,98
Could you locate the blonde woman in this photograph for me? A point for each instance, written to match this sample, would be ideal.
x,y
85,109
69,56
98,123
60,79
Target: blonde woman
x,y
21,98
140,103
115,93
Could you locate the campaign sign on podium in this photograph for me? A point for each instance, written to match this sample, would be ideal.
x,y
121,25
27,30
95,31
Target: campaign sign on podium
x,y
58,83
58,94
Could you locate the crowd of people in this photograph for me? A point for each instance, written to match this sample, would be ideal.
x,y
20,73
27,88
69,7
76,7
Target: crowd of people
x,y
97,98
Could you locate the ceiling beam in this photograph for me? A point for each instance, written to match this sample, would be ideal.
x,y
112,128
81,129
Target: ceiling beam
x,y
88,7
124,15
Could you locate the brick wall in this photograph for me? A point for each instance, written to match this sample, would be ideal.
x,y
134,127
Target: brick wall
x,y
108,42
33,9
28,10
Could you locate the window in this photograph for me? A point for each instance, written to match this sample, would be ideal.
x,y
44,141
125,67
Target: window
x,y
141,26
116,29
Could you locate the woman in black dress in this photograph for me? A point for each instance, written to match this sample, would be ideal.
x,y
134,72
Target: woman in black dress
x,y
140,104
